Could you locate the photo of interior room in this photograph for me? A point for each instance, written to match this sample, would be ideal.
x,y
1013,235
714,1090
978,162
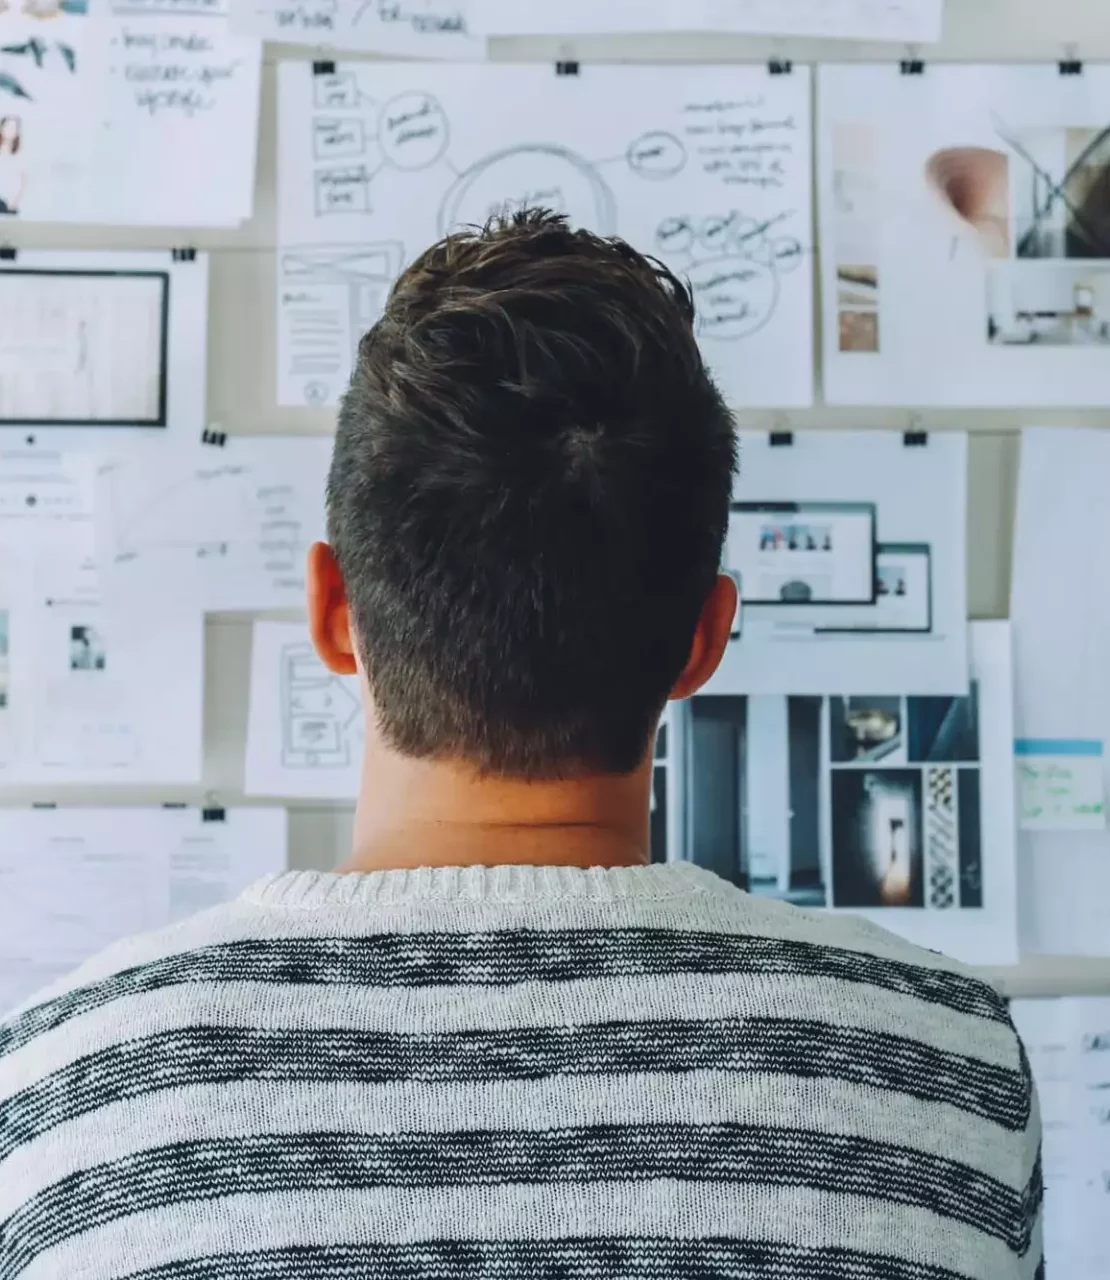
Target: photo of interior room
x,y
1049,304
877,838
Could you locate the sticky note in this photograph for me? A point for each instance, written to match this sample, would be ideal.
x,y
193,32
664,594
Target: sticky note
x,y
1060,784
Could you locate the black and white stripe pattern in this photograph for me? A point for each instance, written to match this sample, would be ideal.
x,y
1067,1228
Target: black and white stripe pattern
x,y
608,1097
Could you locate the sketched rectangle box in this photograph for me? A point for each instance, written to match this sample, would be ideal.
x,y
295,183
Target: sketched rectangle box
x,y
337,90
337,139
342,190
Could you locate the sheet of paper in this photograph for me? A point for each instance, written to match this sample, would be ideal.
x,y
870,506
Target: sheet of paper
x,y
837,517
964,239
897,807
1068,1045
73,881
1062,680
45,89
1061,786
113,111
96,694
221,527
305,728
397,28
912,20
178,131
90,341
706,167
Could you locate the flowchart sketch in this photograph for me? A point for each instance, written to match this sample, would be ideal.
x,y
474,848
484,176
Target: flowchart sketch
x,y
225,527
90,341
305,730
397,28
707,168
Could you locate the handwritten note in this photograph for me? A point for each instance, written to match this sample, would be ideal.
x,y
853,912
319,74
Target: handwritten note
x,y
177,116
399,28
1060,784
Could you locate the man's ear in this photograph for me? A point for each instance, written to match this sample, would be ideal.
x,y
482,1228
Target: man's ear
x,y
710,637
329,618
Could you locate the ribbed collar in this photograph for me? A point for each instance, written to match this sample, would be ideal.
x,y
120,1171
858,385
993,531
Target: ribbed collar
x,y
478,884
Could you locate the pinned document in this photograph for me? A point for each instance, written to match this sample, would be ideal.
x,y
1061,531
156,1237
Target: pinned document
x,y
1060,784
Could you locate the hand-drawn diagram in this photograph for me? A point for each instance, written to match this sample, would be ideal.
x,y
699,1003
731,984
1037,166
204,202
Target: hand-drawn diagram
x,y
320,715
228,528
708,172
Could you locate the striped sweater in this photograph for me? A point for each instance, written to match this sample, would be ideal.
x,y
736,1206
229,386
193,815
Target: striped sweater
x,y
485,1074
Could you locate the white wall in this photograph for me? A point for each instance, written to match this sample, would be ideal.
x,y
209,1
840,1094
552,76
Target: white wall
x,y
241,348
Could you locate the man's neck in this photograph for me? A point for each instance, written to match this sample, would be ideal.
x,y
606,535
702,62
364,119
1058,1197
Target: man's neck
x,y
430,813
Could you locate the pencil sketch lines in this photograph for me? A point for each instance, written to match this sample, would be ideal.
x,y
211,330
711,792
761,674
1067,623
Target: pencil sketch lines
x,y
734,264
533,175
320,714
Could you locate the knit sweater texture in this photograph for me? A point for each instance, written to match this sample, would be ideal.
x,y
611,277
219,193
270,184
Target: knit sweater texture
x,y
511,1072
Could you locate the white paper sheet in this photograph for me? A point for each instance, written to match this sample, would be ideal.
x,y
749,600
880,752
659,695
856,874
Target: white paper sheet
x,y
128,112
706,167
898,808
965,252
45,90
98,341
92,693
1061,620
397,28
305,729
1068,1045
73,881
808,518
913,20
220,527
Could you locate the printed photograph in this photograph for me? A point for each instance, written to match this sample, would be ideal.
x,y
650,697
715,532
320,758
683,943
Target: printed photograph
x,y
856,234
864,729
5,667
752,794
1060,192
877,838
891,579
944,729
973,184
1048,304
86,649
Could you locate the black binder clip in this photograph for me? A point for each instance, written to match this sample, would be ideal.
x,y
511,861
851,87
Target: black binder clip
x,y
781,439
184,255
912,67
568,67
915,439
217,438
213,815
7,253
1071,67
780,67
324,67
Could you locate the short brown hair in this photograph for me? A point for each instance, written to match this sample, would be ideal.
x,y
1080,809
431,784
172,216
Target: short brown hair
x,y
528,499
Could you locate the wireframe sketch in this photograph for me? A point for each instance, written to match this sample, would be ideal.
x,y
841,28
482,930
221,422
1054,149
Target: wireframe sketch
x,y
85,347
712,178
320,716
328,299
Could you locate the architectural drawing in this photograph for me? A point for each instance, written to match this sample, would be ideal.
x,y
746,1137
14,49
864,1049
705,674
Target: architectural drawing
x,y
708,171
320,714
